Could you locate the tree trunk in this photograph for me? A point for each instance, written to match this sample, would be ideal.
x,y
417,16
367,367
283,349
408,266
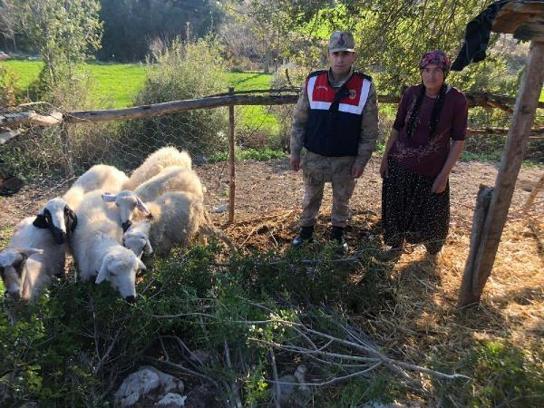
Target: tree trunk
x,y
484,252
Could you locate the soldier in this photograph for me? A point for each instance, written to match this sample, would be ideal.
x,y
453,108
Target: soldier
x,y
336,121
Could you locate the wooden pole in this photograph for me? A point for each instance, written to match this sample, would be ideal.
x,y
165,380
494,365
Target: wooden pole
x,y
466,294
485,251
232,174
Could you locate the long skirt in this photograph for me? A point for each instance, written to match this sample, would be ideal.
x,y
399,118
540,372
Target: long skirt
x,y
410,212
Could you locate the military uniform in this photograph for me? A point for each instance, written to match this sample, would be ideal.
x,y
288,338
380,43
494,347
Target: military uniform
x,y
318,168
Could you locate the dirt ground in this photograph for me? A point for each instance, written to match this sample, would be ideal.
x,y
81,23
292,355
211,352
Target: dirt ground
x,y
267,188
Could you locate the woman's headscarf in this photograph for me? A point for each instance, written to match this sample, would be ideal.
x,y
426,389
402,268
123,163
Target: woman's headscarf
x,y
436,57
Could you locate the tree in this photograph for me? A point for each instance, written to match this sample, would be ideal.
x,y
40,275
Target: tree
x,y
8,22
64,31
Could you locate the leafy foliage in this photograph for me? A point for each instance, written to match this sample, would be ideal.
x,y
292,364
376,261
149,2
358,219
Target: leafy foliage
x,y
181,71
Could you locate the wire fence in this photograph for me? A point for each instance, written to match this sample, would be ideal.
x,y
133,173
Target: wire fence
x,y
54,146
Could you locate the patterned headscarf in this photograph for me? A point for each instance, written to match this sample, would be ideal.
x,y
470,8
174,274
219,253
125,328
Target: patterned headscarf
x,y
436,57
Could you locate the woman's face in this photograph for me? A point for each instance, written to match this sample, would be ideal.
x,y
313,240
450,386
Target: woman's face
x,y
433,77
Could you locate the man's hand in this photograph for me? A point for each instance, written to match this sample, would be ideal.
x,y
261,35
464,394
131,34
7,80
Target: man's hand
x,y
357,170
295,162
439,185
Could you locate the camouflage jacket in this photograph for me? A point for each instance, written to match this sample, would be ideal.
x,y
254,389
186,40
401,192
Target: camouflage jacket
x,y
369,123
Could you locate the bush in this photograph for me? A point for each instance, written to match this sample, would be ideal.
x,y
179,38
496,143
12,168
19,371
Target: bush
x,y
50,152
81,340
181,71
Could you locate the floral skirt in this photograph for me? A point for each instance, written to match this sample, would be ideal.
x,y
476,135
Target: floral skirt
x,y
410,212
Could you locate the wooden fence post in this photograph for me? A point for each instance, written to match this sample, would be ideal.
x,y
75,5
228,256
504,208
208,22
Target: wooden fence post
x,y
232,173
482,254
66,151
466,294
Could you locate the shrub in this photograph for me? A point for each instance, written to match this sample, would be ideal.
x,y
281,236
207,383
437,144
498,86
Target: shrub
x,y
181,71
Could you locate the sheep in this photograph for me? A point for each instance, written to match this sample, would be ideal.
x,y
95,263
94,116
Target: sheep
x,y
97,249
171,179
58,214
155,163
30,261
176,218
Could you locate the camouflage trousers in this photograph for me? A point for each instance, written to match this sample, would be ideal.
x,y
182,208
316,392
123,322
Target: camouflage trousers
x,y
317,170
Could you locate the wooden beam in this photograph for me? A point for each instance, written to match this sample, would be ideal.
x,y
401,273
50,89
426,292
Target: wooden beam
x,y
157,109
13,120
484,252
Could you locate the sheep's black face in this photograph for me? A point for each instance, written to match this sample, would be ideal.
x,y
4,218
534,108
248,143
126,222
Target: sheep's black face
x,y
45,220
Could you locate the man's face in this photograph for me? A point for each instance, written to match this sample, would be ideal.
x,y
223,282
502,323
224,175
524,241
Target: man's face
x,y
341,62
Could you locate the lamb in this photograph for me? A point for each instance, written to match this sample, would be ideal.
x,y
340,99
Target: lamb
x,y
30,261
97,248
177,217
155,163
171,179
58,214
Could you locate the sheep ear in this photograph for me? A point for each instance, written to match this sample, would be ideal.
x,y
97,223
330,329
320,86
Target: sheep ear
x,y
141,265
148,250
70,219
40,221
109,198
142,207
103,272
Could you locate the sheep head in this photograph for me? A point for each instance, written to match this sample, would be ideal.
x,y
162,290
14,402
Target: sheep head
x,y
127,202
119,267
12,262
58,217
137,240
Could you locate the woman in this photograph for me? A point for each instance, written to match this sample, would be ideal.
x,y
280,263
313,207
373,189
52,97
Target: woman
x,y
425,143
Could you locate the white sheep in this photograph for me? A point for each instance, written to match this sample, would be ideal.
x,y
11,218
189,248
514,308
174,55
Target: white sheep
x,y
176,219
155,163
30,261
171,179
58,214
97,249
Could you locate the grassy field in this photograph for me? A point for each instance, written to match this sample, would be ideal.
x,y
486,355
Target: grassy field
x,y
116,85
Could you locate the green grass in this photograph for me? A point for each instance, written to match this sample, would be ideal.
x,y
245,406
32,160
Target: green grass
x,y
116,85
256,118
25,71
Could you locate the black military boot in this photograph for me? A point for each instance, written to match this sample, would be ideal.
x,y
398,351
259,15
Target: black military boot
x,y
305,235
337,235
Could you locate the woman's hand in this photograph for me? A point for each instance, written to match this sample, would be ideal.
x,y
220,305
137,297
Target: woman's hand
x,y
384,168
440,183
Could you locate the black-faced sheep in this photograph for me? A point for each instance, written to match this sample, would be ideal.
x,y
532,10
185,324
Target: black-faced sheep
x,y
58,214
